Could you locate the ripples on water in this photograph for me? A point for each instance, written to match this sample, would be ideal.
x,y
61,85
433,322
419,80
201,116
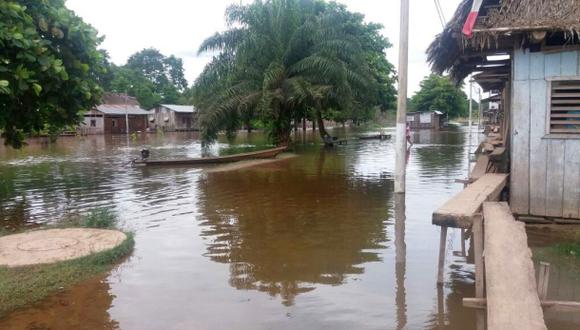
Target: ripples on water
x,y
316,241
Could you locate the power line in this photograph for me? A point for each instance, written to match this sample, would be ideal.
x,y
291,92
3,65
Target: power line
x,y
440,13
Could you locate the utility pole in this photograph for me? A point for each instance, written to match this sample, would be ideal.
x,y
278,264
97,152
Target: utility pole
x,y
480,113
470,107
401,143
126,115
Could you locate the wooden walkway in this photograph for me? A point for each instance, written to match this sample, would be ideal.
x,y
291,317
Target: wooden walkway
x,y
512,295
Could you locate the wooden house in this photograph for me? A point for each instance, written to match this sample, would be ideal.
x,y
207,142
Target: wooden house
x,y
528,52
425,120
172,117
110,116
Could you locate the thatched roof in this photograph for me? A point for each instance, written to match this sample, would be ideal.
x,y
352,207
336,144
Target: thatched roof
x,y
499,22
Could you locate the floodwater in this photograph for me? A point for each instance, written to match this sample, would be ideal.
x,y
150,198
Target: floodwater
x,y
317,241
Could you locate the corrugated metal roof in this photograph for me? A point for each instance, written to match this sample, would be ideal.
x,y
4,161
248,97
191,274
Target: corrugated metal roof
x,y
121,109
179,108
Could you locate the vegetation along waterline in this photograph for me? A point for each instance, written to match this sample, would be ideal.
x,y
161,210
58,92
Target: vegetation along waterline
x,y
24,285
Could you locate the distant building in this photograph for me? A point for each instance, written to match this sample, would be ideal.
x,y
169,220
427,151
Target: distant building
x,y
425,120
172,117
109,117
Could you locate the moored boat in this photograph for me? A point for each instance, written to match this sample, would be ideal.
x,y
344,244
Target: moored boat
x,y
375,137
269,153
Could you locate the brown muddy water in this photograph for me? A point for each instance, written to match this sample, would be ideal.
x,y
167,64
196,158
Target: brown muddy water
x,y
317,241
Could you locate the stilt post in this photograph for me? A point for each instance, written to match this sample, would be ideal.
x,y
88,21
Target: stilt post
x,y
441,264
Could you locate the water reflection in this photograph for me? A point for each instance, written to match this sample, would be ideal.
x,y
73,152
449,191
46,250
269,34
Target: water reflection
x,y
82,307
294,224
400,260
315,242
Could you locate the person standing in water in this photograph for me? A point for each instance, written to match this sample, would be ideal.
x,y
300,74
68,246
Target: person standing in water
x,y
408,134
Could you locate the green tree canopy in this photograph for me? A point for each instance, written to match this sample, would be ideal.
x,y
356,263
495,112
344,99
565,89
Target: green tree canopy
x,y
151,77
50,68
281,60
439,93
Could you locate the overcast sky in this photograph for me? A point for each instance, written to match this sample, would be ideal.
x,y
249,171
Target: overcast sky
x,y
178,27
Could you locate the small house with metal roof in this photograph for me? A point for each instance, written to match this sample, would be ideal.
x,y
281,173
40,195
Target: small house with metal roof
x,y
173,117
110,117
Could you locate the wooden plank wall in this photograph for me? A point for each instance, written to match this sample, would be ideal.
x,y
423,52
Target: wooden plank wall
x,y
545,173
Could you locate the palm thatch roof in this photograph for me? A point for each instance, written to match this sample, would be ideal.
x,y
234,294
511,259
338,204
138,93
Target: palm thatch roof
x,y
499,23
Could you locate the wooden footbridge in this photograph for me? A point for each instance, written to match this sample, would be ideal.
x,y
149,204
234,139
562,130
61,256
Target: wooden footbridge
x,y
506,293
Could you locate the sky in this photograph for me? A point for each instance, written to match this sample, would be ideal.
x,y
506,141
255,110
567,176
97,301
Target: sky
x,y
179,26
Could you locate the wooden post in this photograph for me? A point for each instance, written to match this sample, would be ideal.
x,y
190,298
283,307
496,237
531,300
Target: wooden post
x,y
479,268
441,265
440,307
401,142
463,242
543,279
480,115
478,251
470,103
469,123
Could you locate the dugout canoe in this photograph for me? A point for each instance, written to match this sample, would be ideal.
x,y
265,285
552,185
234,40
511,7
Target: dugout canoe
x,y
269,153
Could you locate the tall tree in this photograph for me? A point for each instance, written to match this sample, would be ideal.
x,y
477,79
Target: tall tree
x,y
280,60
166,73
439,93
50,68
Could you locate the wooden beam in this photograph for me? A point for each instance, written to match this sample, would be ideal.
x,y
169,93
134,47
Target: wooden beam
x,y
551,305
441,263
458,212
543,279
478,251
514,29
480,167
512,297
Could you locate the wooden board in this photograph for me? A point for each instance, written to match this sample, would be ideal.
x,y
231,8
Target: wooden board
x,y
497,154
555,178
538,146
520,148
551,305
480,168
571,203
459,211
512,297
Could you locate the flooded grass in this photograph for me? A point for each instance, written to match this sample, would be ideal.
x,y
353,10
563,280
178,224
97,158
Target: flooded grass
x,y
569,249
22,286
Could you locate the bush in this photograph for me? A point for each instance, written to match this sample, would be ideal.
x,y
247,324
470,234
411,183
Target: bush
x,y
99,218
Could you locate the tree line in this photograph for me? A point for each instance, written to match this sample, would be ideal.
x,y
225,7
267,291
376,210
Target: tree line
x,y
278,62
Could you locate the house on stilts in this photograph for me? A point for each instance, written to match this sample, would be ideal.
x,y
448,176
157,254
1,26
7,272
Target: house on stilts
x,y
526,54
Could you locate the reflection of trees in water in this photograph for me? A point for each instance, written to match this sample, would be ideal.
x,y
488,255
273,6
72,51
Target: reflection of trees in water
x,y
446,152
282,231
48,188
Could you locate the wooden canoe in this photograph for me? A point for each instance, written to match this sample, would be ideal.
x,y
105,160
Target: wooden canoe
x,y
269,153
375,137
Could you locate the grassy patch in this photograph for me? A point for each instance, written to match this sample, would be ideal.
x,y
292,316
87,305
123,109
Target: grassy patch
x,y
21,286
568,249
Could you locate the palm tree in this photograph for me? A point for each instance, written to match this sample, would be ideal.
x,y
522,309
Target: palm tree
x,y
278,60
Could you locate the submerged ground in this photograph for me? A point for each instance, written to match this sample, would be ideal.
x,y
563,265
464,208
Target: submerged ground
x,y
314,241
